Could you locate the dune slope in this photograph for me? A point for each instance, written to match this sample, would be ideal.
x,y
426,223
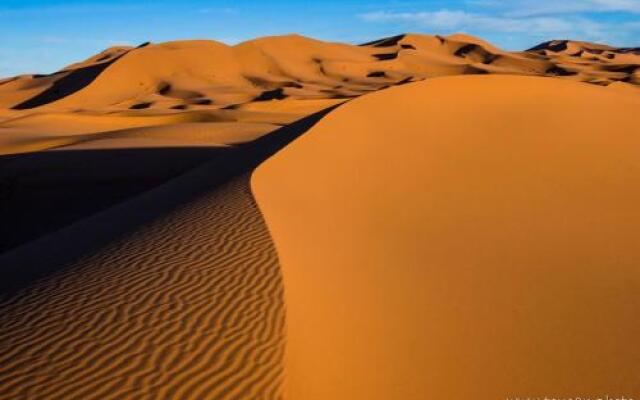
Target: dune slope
x,y
187,307
462,237
173,293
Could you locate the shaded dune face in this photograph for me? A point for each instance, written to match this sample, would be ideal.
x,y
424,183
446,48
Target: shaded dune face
x,y
188,307
474,240
72,82
175,293
44,191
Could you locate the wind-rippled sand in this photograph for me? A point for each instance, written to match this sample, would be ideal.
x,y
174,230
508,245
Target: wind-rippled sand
x,y
189,307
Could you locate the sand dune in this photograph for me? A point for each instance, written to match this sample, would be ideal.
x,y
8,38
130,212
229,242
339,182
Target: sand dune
x,y
41,131
172,293
189,307
464,228
473,240
207,81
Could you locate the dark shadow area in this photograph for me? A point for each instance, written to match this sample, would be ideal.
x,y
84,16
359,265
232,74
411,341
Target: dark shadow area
x,y
67,85
377,74
633,50
471,70
464,50
553,45
404,81
389,56
624,68
45,191
293,85
38,76
151,199
103,58
140,106
385,42
558,71
164,88
275,94
267,84
490,58
477,53
591,51
202,102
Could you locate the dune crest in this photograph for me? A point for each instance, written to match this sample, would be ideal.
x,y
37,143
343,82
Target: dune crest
x,y
174,292
473,240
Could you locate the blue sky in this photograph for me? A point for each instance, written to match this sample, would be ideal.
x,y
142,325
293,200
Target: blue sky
x,y
45,35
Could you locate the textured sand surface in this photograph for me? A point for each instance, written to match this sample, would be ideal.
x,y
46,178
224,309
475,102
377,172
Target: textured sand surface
x,y
476,239
172,293
189,307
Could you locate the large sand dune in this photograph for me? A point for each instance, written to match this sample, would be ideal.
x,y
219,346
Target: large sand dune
x,y
464,228
463,237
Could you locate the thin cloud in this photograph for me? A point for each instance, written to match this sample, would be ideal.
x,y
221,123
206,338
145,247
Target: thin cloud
x,y
529,26
67,10
449,20
217,10
525,8
61,40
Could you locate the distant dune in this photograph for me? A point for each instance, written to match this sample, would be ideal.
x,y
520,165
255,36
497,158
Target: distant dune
x,y
412,218
206,81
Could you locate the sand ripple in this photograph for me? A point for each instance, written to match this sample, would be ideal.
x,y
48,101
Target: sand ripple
x,y
190,307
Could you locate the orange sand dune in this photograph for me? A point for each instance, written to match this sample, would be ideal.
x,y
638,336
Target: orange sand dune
x,y
463,237
203,77
173,293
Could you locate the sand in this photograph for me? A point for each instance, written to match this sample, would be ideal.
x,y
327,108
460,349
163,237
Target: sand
x,y
173,292
272,80
188,307
460,223
462,237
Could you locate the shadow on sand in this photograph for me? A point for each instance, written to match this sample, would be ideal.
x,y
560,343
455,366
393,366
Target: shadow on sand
x,y
67,85
140,173
45,191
